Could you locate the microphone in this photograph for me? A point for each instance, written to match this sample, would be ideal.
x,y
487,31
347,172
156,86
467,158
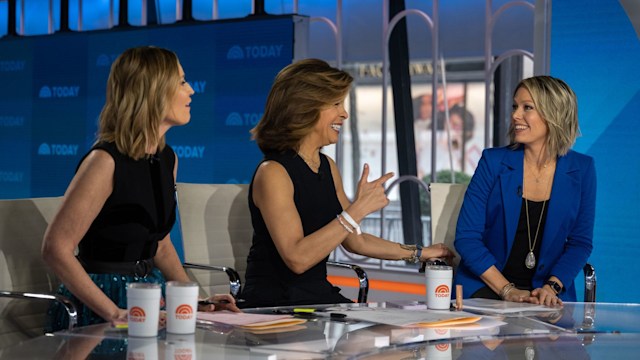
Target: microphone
x,y
320,175
153,158
519,192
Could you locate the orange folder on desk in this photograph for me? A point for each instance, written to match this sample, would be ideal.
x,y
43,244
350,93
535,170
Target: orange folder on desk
x,y
250,321
457,321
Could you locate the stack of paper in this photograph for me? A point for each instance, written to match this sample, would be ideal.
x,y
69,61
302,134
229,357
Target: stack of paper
x,y
407,304
412,318
503,307
250,321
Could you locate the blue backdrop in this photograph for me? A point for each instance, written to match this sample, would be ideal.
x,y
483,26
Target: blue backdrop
x,y
53,90
595,48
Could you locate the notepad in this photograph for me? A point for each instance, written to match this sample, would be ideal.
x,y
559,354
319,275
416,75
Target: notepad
x,y
250,321
503,307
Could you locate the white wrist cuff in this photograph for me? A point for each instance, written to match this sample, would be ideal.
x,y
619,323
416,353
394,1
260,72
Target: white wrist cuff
x,y
351,222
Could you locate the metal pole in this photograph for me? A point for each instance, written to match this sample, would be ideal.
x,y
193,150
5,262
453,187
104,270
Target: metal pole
x,y
123,14
64,16
22,11
80,15
387,29
187,10
11,18
110,14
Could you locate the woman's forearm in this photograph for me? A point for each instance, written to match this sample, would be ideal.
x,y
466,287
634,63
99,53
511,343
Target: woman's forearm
x,y
68,269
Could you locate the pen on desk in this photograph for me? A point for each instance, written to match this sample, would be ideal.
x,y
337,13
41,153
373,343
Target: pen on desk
x,y
458,297
216,302
311,312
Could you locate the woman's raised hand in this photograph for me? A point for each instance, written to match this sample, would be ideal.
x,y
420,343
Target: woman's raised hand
x,y
370,196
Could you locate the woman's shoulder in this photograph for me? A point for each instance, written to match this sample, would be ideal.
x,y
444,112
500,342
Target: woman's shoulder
x,y
578,156
501,154
575,161
110,148
269,170
500,151
97,158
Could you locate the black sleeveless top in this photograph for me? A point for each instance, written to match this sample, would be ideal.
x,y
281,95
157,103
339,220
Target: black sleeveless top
x,y
140,211
269,282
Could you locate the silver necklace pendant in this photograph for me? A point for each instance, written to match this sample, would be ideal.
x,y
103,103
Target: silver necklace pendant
x,y
530,261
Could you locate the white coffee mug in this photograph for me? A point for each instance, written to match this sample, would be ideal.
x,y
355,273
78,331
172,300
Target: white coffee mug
x,y
438,281
182,307
143,308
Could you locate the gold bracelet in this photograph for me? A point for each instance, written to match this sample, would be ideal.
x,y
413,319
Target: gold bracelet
x,y
414,254
506,290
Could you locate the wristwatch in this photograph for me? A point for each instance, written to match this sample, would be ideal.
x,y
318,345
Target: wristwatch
x,y
555,286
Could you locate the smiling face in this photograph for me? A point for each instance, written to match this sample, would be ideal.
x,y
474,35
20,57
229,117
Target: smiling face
x,y
528,127
327,130
179,109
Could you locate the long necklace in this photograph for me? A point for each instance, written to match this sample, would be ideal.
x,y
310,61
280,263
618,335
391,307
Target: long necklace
x,y
530,260
315,166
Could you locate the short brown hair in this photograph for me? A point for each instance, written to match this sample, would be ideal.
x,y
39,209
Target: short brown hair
x,y
557,104
298,94
141,83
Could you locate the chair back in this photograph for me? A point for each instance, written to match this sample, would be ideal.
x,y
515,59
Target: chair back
x,y
22,226
446,200
216,230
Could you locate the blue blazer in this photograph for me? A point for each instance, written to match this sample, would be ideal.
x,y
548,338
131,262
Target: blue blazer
x,y
491,210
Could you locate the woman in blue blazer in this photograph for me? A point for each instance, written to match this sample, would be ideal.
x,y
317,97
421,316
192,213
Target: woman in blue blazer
x,y
525,229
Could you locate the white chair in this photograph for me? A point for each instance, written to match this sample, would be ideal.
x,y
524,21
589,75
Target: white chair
x,y
25,280
217,234
446,200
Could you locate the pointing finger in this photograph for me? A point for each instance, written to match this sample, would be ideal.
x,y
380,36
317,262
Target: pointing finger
x,y
384,178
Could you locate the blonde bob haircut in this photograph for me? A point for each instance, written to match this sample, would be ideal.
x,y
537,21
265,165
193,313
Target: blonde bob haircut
x,y
299,93
141,82
558,106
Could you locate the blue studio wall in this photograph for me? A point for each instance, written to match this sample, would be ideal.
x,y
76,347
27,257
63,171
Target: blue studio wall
x,y
53,90
595,48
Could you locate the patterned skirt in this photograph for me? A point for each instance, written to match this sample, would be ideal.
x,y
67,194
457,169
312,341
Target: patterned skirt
x,y
113,285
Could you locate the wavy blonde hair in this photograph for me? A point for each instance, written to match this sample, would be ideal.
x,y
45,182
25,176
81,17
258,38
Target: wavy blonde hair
x,y
141,82
557,104
298,95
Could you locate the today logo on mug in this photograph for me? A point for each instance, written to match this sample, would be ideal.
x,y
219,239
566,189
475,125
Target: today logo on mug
x,y
136,314
443,291
184,312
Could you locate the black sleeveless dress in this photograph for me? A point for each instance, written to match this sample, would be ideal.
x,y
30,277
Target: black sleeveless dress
x,y
269,282
140,212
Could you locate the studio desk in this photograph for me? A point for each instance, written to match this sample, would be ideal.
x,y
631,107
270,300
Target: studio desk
x,y
577,331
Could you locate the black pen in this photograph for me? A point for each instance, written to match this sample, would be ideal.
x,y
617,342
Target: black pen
x,y
216,302
212,302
